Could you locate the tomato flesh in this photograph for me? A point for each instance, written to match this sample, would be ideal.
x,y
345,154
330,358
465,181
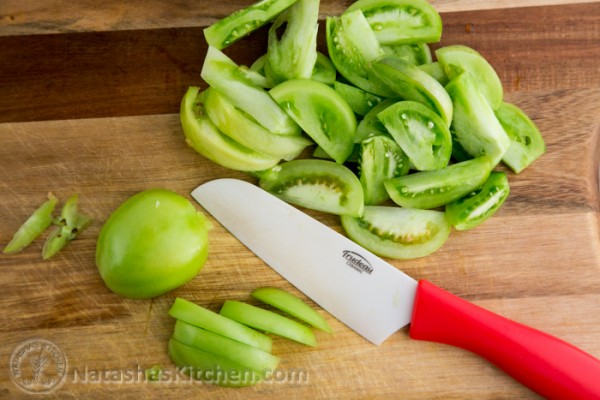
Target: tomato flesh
x,y
268,321
194,314
401,21
243,354
475,208
294,54
420,132
380,159
475,125
236,124
291,305
431,189
352,45
321,112
203,136
409,82
397,232
211,368
316,184
526,141
224,75
239,24
360,101
457,59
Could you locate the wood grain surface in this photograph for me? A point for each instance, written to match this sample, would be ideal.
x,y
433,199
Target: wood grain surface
x,y
89,96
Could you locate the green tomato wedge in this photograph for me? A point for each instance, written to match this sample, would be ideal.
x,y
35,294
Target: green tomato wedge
x,y
268,321
411,83
33,227
475,208
203,136
235,124
292,305
154,242
211,368
435,70
360,102
317,185
475,125
526,141
324,70
320,153
458,152
380,159
243,354
352,46
242,22
69,225
399,233
370,125
254,77
457,59
196,315
415,54
224,75
401,21
420,132
431,189
293,54
321,112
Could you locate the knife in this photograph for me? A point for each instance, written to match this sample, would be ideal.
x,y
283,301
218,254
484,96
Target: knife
x,y
375,299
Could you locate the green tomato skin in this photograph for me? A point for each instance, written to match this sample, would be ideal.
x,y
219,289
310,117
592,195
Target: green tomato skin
x,y
152,243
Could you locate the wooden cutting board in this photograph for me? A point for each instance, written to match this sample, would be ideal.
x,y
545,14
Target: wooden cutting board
x,y
88,104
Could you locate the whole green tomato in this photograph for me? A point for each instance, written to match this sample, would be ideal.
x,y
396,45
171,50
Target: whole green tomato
x,y
152,243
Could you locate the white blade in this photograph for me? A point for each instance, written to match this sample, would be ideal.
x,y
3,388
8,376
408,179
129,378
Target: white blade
x,y
360,289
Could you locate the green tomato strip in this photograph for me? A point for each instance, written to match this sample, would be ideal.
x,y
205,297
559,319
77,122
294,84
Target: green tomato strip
x,y
33,227
292,305
203,318
240,353
211,368
268,321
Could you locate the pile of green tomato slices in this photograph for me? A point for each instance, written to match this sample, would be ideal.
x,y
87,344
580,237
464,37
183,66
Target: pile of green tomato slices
x,y
406,147
229,348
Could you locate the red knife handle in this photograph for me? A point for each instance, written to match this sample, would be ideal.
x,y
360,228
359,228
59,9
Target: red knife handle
x,y
547,365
